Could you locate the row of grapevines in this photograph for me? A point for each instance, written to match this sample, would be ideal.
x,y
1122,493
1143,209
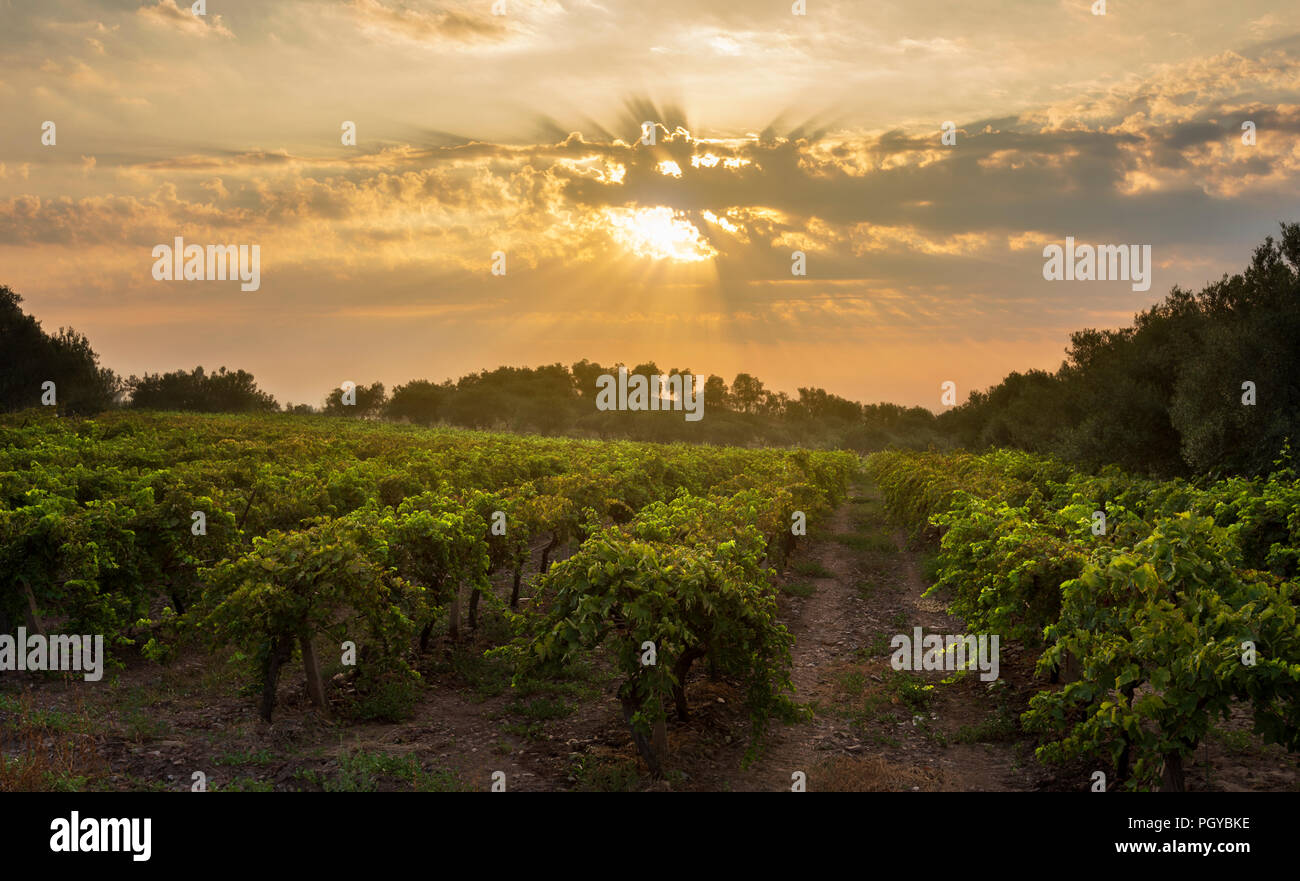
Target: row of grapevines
x,y
1171,600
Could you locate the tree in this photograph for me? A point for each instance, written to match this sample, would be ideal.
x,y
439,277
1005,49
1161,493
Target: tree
x,y
32,357
585,373
747,393
369,401
419,401
716,398
1255,338
1167,396
220,392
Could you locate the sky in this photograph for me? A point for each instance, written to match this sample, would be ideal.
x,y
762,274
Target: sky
x,y
521,133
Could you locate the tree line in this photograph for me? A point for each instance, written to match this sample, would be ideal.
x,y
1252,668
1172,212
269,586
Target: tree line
x,y
1201,383
551,400
555,399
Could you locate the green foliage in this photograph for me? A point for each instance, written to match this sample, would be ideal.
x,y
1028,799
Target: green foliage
x,y
368,400
324,530
684,576
386,690
1159,630
437,543
329,579
1004,568
32,357
1165,395
1153,612
220,392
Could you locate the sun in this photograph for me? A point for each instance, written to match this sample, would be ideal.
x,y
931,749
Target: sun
x,y
659,233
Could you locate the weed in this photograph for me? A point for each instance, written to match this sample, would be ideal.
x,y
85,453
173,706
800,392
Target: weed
x,y
798,589
811,569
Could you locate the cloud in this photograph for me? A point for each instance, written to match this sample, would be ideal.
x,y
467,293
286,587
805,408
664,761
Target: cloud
x,y
899,198
457,26
166,14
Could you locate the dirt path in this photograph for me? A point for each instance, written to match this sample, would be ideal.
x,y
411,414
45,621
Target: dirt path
x,y
828,629
874,728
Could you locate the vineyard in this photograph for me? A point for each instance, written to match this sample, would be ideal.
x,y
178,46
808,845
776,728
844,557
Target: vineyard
x,y
303,580
283,539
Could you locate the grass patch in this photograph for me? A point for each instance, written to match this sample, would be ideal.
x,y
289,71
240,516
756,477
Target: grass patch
x,y
998,728
811,569
609,774
485,676
852,683
526,730
895,697
383,693
141,784
18,713
52,757
244,784
261,757
540,709
798,589
138,717
1238,743
142,726
872,774
878,647
363,771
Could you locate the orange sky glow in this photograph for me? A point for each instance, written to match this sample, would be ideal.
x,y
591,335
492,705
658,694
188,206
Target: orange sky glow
x,y
521,134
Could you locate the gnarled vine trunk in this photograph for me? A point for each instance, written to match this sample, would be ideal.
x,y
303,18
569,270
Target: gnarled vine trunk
x,y
280,651
315,688
546,554
659,733
1172,777
514,590
473,608
33,617
453,614
643,745
1126,756
680,671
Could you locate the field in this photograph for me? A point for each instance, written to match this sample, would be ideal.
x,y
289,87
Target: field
x,y
305,603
